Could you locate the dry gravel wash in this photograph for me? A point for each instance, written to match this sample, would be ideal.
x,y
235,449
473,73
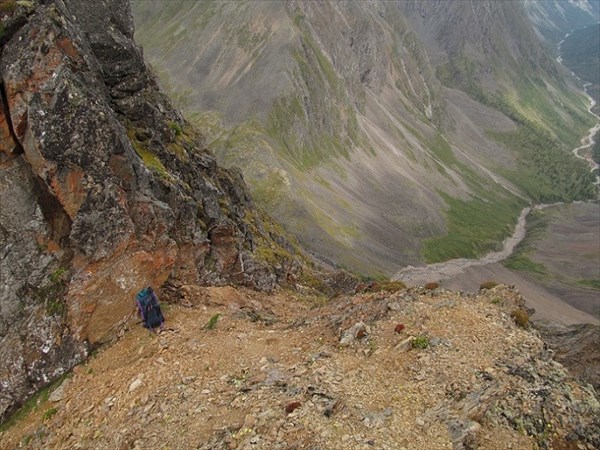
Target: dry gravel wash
x,y
481,383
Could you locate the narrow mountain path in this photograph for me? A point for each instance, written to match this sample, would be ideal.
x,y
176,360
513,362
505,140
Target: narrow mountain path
x,y
454,267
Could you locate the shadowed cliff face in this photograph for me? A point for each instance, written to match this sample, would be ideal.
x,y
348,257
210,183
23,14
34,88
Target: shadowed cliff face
x,y
104,189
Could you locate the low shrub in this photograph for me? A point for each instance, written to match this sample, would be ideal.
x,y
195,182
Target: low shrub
x,y
420,342
49,413
212,323
432,286
488,284
521,317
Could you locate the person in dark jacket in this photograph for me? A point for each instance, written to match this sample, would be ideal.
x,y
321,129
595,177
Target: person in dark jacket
x,y
149,309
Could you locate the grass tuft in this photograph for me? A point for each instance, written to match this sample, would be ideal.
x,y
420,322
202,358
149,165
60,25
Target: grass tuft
x,y
212,323
488,284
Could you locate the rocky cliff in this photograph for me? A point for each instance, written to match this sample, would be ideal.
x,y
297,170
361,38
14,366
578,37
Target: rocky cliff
x,y
104,189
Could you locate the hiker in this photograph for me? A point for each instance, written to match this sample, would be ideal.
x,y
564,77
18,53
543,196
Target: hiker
x,y
149,309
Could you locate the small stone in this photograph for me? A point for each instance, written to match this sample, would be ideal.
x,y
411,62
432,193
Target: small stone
x,y
58,393
135,384
188,379
394,306
420,422
356,331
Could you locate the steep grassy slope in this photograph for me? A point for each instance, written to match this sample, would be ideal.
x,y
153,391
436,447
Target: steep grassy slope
x,y
581,53
369,129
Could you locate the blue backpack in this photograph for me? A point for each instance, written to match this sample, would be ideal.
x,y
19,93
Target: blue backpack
x,y
149,308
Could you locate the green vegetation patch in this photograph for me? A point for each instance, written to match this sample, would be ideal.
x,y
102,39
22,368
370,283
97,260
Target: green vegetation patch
x,y
212,323
475,227
150,159
596,148
36,401
593,284
420,342
524,263
547,171
49,413
550,120
581,53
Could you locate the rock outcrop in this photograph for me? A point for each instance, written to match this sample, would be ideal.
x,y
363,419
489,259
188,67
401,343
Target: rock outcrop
x,y
104,189
577,347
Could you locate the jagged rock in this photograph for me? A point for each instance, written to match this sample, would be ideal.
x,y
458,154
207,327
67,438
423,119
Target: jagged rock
x,y
377,419
58,393
104,189
357,331
577,347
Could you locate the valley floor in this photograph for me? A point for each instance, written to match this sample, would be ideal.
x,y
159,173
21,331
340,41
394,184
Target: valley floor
x,y
282,371
567,249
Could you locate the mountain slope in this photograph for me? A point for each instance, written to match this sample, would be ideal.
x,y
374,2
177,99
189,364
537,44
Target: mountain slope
x,y
580,53
371,128
555,18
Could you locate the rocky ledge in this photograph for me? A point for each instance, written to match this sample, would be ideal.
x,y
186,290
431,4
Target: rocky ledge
x,y
237,369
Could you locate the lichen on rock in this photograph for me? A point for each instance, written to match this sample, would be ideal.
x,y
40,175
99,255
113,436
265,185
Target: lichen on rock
x,y
102,178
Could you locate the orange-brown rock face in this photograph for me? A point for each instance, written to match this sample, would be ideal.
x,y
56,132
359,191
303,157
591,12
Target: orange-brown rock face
x,y
104,189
